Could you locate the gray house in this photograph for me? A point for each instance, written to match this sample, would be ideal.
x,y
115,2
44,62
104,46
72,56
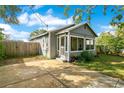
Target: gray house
x,y
66,42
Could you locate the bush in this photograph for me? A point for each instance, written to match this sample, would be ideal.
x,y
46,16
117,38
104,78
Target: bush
x,y
86,56
73,59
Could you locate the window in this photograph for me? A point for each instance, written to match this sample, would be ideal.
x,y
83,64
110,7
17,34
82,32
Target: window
x,y
89,44
46,42
43,42
66,43
62,41
80,44
73,43
92,44
58,43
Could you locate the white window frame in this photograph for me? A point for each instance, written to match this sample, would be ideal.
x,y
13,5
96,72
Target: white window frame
x,y
93,44
77,43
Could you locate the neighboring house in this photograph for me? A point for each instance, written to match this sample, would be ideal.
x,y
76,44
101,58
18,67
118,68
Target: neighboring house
x,y
66,42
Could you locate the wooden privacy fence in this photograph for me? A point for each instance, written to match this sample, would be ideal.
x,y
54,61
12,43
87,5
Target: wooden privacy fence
x,y
20,48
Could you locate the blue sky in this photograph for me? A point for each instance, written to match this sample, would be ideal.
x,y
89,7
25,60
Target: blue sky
x,y
54,17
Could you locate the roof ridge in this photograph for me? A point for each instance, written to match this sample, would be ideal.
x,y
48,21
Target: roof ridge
x,y
62,28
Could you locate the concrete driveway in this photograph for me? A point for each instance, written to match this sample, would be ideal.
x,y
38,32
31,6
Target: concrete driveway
x,y
53,74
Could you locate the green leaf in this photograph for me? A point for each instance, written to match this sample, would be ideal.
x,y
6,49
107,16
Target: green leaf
x,y
119,17
66,10
104,9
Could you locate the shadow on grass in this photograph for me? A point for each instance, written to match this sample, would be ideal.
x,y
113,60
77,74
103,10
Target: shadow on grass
x,y
103,63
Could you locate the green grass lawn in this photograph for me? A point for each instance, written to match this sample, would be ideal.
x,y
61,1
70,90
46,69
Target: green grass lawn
x,y
106,64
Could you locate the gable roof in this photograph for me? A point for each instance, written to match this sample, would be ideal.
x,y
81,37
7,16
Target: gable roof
x,y
66,29
76,26
62,28
59,29
34,37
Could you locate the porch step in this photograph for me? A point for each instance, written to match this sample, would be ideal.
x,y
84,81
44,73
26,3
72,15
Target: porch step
x,y
59,59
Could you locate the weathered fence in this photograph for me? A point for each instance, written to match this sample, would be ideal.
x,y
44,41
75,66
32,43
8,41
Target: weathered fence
x,y
20,48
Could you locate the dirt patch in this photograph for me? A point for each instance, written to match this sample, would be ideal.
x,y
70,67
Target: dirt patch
x,y
21,60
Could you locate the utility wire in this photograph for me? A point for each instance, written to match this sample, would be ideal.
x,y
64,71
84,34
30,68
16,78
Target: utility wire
x,y
42,22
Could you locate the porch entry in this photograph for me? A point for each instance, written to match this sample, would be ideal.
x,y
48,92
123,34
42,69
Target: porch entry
x,y
76,46
62,47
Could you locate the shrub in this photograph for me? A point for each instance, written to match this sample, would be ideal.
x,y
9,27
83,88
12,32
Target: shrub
x,y
86,56
74,58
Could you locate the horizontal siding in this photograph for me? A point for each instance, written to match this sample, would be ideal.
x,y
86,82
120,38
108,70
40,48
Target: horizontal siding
x,y
43,44
83,32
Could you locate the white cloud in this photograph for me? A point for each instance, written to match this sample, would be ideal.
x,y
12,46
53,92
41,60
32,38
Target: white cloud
x,y
23,19
107,28
49,19
99,33
49,11
14,34
37,6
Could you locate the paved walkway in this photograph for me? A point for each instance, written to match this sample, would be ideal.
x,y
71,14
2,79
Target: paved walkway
x,y
52,73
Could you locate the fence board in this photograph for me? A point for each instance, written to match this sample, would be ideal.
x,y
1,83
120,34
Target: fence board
x,y
20,49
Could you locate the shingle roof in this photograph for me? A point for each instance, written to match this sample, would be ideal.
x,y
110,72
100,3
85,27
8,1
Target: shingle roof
x,y
68,27
58,29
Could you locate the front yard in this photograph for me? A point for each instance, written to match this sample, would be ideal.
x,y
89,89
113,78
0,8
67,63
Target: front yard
x,y
106,64
21,60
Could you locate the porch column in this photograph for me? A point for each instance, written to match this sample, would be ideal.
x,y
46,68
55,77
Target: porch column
x,y
49,45
68,46
84,44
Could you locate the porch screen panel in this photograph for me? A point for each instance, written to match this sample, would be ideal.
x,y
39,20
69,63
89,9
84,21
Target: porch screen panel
x,y
73,44
66,43
80,43
62,41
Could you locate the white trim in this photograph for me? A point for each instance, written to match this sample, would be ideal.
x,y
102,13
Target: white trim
x,y
93,44
35,37
77,42
75,51
77,36
79,51
68,46
89,38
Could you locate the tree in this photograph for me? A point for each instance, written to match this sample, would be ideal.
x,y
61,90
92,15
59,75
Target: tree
x,y
1,34
37,32
119,36
9,13
105,39
85,13
112,43
2,55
